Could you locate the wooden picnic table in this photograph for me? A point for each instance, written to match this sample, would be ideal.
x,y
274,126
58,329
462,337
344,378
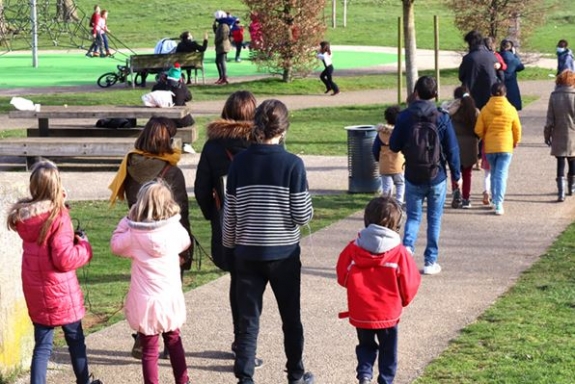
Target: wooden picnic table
x,y
48,112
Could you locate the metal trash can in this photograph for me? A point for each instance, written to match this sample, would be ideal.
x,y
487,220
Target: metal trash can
x,y
362,167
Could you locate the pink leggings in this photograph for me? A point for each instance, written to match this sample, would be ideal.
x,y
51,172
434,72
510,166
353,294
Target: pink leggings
x,y
150,353
466,181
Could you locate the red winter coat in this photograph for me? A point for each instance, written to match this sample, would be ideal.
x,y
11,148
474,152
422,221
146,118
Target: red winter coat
x,y
49,281
378,285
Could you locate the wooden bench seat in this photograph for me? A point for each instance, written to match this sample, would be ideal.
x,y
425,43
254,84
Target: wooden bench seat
x,y
156,63
186,134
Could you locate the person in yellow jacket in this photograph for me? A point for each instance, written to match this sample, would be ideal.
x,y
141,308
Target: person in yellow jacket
x,y
499,127
390,163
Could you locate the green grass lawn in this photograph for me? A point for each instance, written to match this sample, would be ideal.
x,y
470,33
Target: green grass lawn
x,y
139,24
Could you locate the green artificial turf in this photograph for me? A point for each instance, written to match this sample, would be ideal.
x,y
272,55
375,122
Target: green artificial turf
x,y
74,68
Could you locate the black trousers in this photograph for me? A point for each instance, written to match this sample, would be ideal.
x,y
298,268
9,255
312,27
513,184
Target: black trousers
x,y
326,77
284,277
561,166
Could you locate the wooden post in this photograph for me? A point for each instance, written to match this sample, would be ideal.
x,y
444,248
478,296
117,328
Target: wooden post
x,y
333,14
344,13
436,52
399,59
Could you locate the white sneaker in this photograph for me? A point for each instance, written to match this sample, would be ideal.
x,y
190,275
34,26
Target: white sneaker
x,y
187,148
432,269
499,210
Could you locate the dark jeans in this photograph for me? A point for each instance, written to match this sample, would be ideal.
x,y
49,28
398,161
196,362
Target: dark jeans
x,y
173,343
325,77
44,337
284,277
221,59
239,47
561,166
367,351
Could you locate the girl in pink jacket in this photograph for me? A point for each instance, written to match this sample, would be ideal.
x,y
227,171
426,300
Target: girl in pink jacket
x,y
51,255
152,236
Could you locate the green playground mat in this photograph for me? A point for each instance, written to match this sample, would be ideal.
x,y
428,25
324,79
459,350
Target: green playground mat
x,y
70,69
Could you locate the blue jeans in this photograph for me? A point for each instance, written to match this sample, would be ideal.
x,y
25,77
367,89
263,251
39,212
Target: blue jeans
x,y
414,197
284,277
387,183
367,351
499,164
44,337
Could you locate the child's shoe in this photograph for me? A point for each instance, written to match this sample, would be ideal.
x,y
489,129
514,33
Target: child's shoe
x,y
365,380
307,378
456,202
486,199
466,204
499,211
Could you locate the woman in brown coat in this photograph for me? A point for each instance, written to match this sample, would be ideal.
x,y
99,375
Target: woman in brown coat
x,y
560,130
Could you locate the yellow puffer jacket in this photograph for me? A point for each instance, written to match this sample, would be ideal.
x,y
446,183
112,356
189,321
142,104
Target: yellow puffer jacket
x,y
498,126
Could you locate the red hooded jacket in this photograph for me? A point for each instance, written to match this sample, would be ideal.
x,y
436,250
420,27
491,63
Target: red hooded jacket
x,y
49,281
378,285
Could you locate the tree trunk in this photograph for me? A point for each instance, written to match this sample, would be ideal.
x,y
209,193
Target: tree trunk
x,y
66,10
410,45
287,75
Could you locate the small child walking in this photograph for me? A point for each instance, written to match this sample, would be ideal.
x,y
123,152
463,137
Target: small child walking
x,y
51,254
463,113
237,34
390,163
381,278
324,54
152,236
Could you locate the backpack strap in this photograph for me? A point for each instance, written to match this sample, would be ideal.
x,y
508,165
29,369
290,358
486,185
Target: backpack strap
x,y
163,172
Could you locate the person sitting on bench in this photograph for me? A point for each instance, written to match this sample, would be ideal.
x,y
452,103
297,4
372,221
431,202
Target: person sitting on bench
x,y
187,44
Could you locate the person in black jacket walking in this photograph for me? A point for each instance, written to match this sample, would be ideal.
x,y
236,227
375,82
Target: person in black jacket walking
x,y
477,69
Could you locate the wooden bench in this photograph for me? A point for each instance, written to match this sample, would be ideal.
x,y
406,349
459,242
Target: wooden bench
x,y
156,63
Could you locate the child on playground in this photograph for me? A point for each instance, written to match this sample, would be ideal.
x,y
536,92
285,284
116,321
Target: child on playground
x,y
381,278
237,33
51,255
390,163
324,54
463,113
152,236
102,30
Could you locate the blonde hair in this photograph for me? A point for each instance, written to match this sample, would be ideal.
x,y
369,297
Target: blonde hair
x,y
155,202
45,185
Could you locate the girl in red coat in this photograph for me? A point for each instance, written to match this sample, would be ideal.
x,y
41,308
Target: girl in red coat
x,y
51,255
381,278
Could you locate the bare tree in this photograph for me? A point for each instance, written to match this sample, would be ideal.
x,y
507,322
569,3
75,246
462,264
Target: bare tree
x,y
291,31
410,44
497,17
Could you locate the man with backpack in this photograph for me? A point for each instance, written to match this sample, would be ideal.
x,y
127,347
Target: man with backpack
x,y
425,136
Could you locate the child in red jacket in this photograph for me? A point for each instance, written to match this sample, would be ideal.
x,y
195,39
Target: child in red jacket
x,y
381,278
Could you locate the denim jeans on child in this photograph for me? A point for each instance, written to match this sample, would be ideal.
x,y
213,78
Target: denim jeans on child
x,y
499,164
387,183
414,197
44,337
150,352
367,351
284,277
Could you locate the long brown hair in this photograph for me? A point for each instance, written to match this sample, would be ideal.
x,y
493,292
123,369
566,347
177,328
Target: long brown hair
x,y
467,111
45,185
156,138
240,106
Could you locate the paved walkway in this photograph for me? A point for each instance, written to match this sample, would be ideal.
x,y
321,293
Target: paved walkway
x,y
481,254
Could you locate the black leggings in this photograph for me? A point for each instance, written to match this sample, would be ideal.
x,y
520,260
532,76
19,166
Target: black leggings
x,y
221,59
561,166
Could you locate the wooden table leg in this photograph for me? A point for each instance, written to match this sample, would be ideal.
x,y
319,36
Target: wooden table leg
x,y
43,128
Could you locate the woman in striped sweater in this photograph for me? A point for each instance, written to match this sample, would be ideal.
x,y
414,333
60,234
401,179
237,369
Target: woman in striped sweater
x,y
267,200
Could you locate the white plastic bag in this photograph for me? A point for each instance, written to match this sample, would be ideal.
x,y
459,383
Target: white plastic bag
x,y
23,104
160,99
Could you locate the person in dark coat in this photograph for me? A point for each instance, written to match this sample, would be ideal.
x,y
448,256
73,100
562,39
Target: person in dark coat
x,y
181,94
187,44
514,65
477,69
227,136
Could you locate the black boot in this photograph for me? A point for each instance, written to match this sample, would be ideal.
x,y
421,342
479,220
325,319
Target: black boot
x,y
570,179
560,188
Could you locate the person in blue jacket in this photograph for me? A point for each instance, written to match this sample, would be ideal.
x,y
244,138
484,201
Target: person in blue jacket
x,y
422,105
514,65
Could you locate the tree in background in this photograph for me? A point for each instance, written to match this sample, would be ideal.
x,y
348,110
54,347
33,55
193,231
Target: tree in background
x,y
499,18
411,73
291,32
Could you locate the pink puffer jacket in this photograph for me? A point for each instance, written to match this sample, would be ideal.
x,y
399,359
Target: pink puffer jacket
x,y
49,281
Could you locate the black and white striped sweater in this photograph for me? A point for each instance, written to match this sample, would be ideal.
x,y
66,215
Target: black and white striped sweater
x,y
267,200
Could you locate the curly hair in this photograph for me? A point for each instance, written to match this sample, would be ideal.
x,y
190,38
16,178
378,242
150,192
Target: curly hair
x,y
566,78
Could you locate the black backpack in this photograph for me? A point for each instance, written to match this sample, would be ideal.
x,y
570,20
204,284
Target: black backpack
x,y
422,150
